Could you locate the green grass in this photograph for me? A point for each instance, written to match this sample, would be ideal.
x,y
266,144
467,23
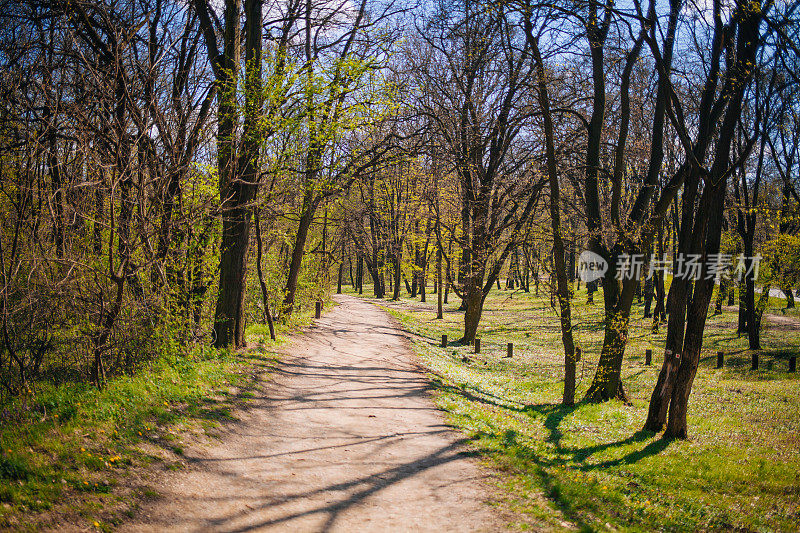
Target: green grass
x,y
591,467
68,451
778,306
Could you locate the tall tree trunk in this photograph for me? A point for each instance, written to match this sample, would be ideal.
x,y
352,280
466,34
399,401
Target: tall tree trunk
x,y
423,274
750,293
473,298
676,309
448,273
350,269
789,297
742,327
648,296
415,271
396,262
754,335
559,264
360,273
676,426
234,195
607,382
299,250
473,290
439,291
339,279
721,293
659,311
378,287
707,229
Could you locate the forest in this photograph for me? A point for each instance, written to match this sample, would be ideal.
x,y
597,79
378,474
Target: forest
x,y
183,183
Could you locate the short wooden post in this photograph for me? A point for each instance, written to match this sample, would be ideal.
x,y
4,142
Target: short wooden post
x,y
444,341
793,363
720,359
648,357
510,349
755,361
477,345
318,310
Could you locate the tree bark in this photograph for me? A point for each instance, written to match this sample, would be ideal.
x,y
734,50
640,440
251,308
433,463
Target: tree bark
x,y
607,382
708,223
789,298
396,261
306,218
559,264
439,295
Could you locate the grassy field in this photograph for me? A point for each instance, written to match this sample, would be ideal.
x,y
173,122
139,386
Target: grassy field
x,y
77,457
592,467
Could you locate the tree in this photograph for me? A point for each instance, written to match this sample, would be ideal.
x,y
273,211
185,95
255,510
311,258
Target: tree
x,y
473,71
701,228
237,167
610,234
559,265
345,98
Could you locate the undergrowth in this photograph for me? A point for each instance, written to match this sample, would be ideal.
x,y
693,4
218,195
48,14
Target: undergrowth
x,y
72,453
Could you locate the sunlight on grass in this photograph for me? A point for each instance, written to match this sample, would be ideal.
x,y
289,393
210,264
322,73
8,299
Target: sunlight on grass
x,y
70,446
591,466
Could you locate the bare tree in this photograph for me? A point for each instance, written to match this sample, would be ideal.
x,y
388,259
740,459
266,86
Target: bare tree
x,y
474,70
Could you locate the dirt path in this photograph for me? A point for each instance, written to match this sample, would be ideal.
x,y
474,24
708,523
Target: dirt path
x,y
346,439
772,321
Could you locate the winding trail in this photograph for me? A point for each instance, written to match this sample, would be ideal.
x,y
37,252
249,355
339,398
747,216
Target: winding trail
x,y
345,439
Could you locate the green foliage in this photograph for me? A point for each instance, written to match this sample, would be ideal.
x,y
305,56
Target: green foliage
x,y
781,264
13,468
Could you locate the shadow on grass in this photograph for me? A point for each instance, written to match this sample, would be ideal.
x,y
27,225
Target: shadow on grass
x,y
773,364
479,396
220,407
554,414
542,462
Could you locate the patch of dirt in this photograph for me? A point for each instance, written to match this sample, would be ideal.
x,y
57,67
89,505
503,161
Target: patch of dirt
x,y
345,438
773,322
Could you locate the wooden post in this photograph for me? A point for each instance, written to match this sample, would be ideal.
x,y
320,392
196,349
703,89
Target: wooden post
x,y
510,349
444,341
720,359
648,357
318,310
755,361
477,345
793,363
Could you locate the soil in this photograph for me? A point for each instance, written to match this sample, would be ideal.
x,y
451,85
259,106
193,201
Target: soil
x,y
771,321
344,438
